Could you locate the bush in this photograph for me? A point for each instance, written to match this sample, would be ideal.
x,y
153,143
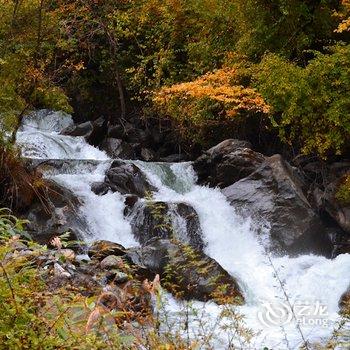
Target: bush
x,y
201,109
310,106
43,311
342,194
285,27
18,186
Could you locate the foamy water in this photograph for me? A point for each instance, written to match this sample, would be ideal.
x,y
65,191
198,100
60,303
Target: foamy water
x,y
230,239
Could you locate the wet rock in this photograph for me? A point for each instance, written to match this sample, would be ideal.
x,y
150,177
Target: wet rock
x,y
62,166
339,211
59,271
162,220
116,148
344,302
112,261
18,245
227,163
116,131
99,131
174,158
147,155
192,274
134,135
150,220
67,254
55,215
341,243
128,179
94,132
131,200
186,216
84,130
274,194
100,188
226,147
117,277
101,249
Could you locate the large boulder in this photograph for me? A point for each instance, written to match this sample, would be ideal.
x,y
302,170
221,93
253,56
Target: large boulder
x,y
62,166
174,158
102,249
140,136
187,273
274,194
147,155
84,130
324,180
99,131
337,209
127,178
226,163
56,214
93,132
166,220
344,302
116,148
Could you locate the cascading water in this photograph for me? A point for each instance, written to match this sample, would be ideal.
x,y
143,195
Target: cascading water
x,y
306,281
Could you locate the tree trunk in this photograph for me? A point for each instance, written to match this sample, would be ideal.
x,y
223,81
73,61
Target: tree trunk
x,y
121,94
40,24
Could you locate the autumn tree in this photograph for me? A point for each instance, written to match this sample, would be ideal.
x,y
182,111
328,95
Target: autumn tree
x,y
209,105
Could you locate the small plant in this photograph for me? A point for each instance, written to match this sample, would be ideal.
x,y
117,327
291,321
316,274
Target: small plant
x,y
342,194
10,225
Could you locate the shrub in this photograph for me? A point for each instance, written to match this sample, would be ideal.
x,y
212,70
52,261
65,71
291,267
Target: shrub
x,y
342,194
344,16
285,27
310,106
18,186
213,102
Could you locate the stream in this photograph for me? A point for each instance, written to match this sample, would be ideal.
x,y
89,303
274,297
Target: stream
x,y
310,285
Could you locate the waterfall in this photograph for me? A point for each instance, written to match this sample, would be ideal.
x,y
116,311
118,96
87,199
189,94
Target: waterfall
x,y
229,239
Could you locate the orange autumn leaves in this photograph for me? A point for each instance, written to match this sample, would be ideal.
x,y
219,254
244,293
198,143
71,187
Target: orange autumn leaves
x,y
213,100
216,86
344,15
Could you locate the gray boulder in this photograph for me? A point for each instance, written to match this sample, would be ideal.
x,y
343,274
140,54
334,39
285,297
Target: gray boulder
x,y
127,178
227,163
147,155
188,273
116,148
56,214
274,194
338,210
84,130
100,250
344,302
166,220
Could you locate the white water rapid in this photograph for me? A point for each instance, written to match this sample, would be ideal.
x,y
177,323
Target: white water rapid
x,y
312,284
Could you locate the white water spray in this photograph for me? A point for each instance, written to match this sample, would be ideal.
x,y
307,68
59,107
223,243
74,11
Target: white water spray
x,y
230,240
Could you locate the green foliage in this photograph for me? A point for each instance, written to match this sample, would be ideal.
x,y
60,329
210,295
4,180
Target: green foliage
x,y
213,102
343,191
36,315
28,37
287,27
9,224
97,55
310,105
